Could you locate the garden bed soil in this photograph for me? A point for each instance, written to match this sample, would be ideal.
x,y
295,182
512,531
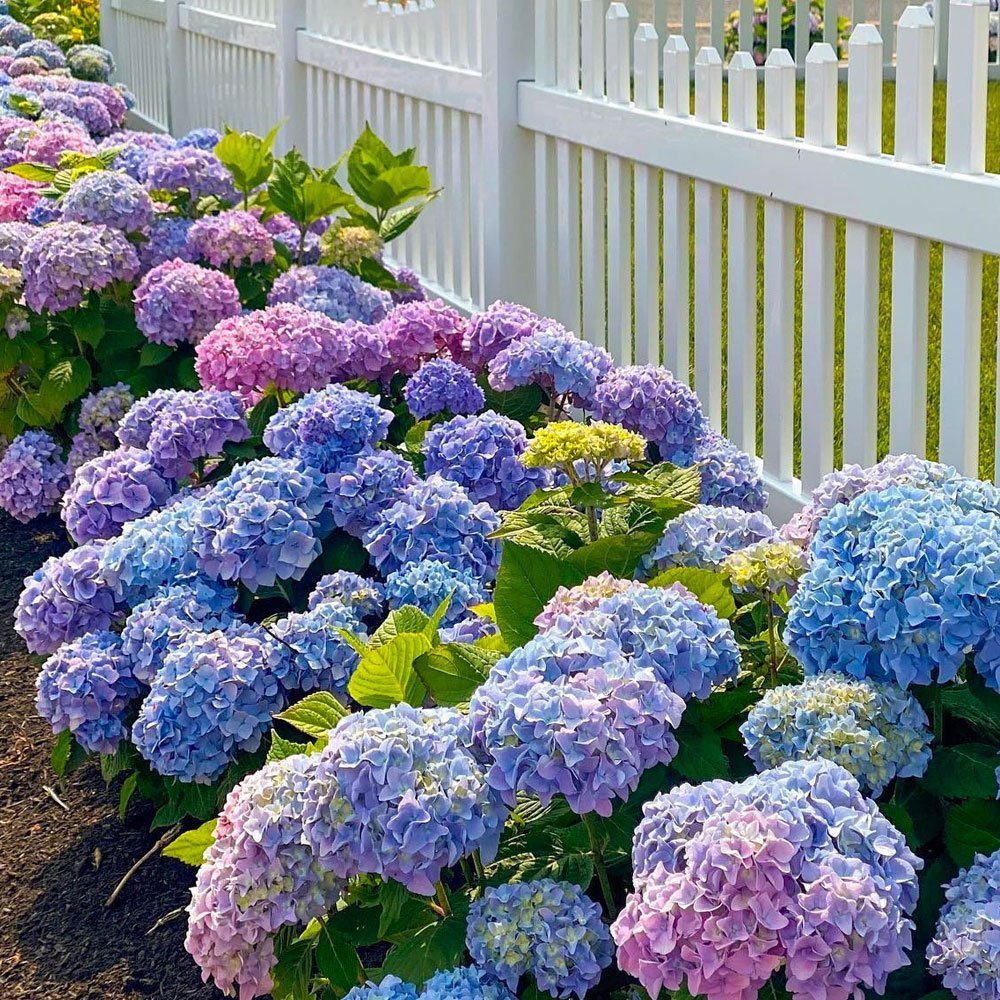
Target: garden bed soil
x,y
57,867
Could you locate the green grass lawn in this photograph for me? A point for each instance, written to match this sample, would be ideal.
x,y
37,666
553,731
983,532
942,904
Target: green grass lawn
x,y
989,337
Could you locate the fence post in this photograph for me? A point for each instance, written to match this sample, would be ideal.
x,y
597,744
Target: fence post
x,y
109,27
290,77
178,81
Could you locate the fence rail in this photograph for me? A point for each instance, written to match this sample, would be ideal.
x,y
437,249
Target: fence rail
x,y
783,274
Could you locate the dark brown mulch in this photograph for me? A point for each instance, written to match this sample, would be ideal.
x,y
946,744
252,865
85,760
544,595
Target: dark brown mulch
x,y
57,941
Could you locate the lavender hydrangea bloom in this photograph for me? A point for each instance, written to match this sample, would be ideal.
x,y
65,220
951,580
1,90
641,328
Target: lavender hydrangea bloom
x,y
903,587
111,490
15,33
436,519
191,170
575,717
666,630
418,331
483,454
312,652
489,332
878,732
367,353
705,536
47,52
158,625
465,984
407,822
555,359
833,886
586,596
257,877
32,476
261,523
331,291
442,386
729,477
426,584
108,198
652,402
361,489
231,239
546,929
86,688
64,599
328,428
213,697
136,425
64,262
168,240
195,426
365,598
468,630
412,291
177,302
13,239
965,950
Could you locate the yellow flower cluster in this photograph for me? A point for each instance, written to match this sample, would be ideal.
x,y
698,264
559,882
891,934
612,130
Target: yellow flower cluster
x,y
562,445
346,246
771,566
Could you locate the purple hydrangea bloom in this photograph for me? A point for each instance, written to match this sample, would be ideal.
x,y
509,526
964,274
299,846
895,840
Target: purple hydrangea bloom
x,y
483,453
328,428
156,626
704,536
365,598
407,822
14,237
367,353
168,240
64,262
50,55
43,213
489,332
15,33
213,697
652,402
231,239
111,490
284,230
108,198
64,599
32,476
261,523
201,138
89,111
413,292
425,585
442,386
586,596
136,425
312,652
832,885
468,630
417,331
191,170
361,489
257,877
555,359
86,687
465,984
134,152
195,426
546,929
729,477
436,519
965,951
177,302
331,291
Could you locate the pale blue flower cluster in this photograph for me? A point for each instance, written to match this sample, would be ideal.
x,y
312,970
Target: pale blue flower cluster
x,y
426,584
965,951
878,732
108,198
361,489
729,477
465,984
366,598
312,652
442,386
436,519
482,453
335,293
328,427
407,822
545,929
391,988
213,697
86,687
704,536
468,630
261,523
904,586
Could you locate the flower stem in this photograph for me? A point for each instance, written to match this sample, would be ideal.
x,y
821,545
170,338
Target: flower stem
x,y
597,853
592,523
442,898
937,710
771,638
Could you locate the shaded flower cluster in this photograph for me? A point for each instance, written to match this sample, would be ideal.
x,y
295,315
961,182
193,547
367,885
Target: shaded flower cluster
x,y
442,386
729,477
363,488
312,652
32,476
427,584
337,294
191,171
365,598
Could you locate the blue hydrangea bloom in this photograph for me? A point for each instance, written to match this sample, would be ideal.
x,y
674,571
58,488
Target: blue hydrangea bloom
x,y
426,584
32,476
261,523
705,535
158,625
391,988
201,138
468,630
312,652
442,386
483,454
86,687
360,490
465,984
546,929
333,292
328,427
109,198
729,477
407,822
904,586
878,732
213,697
436,519
366,598
168,240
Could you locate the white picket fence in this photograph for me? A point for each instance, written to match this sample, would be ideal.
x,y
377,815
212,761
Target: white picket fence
x,y
578,181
